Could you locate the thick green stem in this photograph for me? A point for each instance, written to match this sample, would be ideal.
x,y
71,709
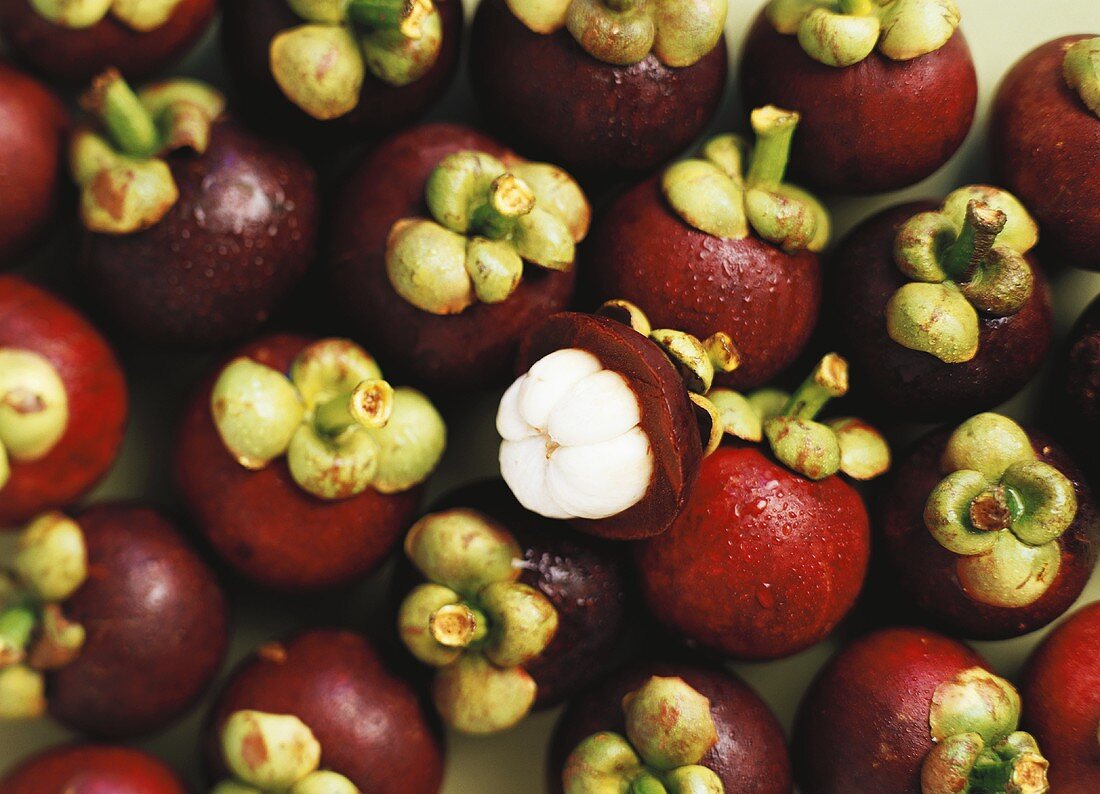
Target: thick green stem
x,y
17,624
857,7
621,6
405,16
981,226
129,124
647,783
367,405
458,625
829,379
509,198
774,129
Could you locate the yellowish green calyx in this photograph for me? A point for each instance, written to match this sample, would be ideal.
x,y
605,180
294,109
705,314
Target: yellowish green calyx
x,y
34,408
1002,511
473,620
139,15
342,428
1081,70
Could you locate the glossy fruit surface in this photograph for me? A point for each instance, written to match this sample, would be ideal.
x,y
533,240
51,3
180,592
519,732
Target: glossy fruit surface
x,y
92,769
1083,382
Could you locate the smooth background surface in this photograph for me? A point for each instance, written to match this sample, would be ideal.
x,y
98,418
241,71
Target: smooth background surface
x,y
999,32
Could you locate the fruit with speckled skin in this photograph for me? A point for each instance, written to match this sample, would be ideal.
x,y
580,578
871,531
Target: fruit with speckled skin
x,y
92,769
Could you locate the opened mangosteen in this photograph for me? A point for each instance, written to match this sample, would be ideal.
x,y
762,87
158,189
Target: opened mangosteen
x,y
109,622
943,310
319,712
86,769
1043,138
721,243
63,402
886,88
302,465
446,248
669,727
604,87
196,228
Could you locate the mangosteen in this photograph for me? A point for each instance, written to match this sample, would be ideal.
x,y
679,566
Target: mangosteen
x,y
80,769
1082,383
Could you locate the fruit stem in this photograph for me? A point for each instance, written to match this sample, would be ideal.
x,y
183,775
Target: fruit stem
x,y
981,226
857,7
129,124
458,625
509,198
16,626
369,404
990,511
829,379
404,16
647,783
774,129
621,6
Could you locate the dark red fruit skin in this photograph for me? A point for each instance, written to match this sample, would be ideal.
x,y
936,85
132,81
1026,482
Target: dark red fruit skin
x,y
750,755
875,126
261,522
667,415
473,349
33,319
1061,691
30,155
372,726
753,580
766,299
1082,383
863,725
1043,141
156,627
234,245
558,102
247,29
903,382
925,572
92,769
75,56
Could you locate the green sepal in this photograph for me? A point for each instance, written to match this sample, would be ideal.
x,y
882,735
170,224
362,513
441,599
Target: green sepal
x,y
414,617
34,405
523,623
988,443
1049,501
463,550
256,410
947,513
1081,71
974,701
737,415
1012,574
804,446
269,751
399,60
476,697
333,468
933,318
411,443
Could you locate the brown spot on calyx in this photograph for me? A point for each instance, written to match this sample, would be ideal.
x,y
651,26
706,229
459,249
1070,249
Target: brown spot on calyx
x,y
24,401
110,193
254,749
325,63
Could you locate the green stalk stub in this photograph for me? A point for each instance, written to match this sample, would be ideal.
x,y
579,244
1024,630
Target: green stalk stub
x,y
1081,70
473,620
125,183
341,427
714,194
1001,511
487,219
966,258
669,730
320,65
141,16
34,408
844,32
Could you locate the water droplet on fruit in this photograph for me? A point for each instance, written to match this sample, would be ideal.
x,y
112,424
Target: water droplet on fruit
x,y
764,595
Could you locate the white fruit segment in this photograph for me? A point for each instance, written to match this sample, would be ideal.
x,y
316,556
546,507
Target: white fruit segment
x,y
573,447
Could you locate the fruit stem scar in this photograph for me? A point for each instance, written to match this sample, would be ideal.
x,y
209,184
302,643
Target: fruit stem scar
x,y
980,228
369,404
458,625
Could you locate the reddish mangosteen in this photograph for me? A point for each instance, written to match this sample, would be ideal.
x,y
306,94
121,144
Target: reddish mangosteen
x,y
1043,137
886,88
992,532
109,622
92,769
518,611
909,711
600,86
770,551
446,248
196,228
334,72
63,402
669,727
301,465
319,712
1082,385
722,243
1062,701
942,309
73,40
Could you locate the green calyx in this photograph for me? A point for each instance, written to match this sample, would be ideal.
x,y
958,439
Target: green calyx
x,y
341,427
963,259
1081,70
34,408
139,15
473,620
717,194
844,32
487,219
973,720
678,32
669,730
320,65
275,753
1001,510
125,184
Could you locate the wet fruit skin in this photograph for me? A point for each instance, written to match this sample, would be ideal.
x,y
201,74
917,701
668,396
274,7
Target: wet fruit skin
x,y
863,725
1043,141
33,319
30,156
750,756
92,769
925,572
74,56
247,29
472,349
234,245
371,724
262,523
902,382
767,300
1061,691
1083,383
762,562
898,121
557,102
